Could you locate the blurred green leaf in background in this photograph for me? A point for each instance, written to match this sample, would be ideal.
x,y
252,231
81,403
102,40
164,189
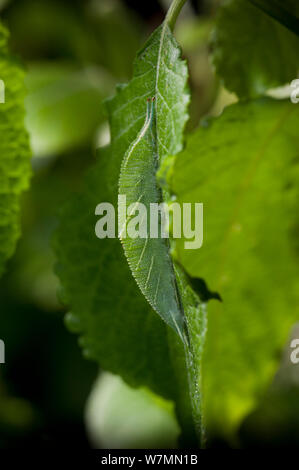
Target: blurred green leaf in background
x,y
234,165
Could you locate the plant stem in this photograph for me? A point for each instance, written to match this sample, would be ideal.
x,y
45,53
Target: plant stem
x,y
173,12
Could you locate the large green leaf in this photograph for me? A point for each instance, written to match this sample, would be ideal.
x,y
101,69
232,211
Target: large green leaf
x,y
153,132
244,167
14,150
160,75
127,112
253,52
120,341
58,96
148,256
117,327
158,72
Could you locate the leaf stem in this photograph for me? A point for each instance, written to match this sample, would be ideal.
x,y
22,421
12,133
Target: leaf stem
x,y
173,12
